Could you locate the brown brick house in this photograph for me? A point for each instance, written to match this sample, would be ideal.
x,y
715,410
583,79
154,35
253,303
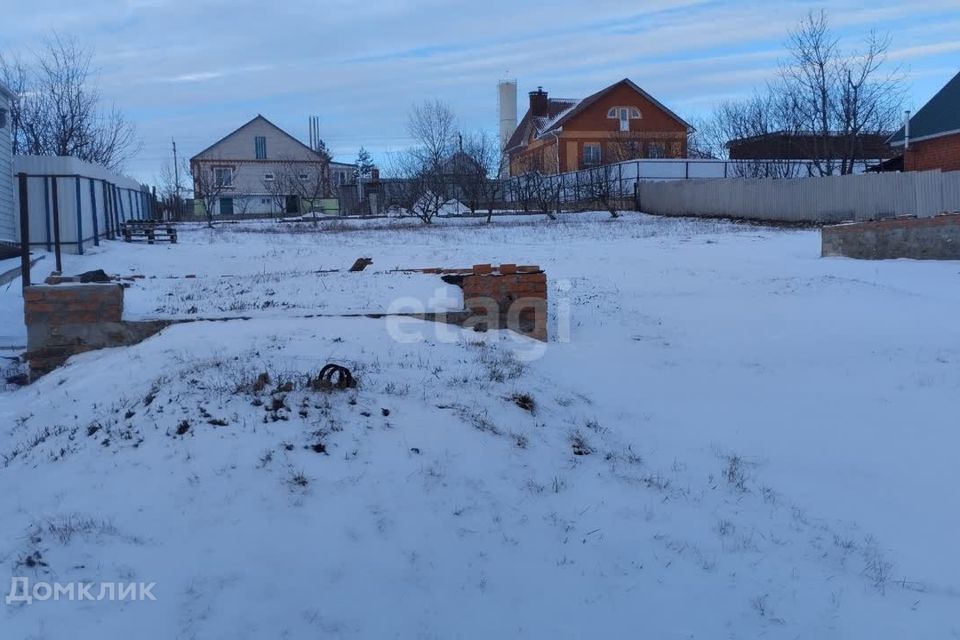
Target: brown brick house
x,y
931,140
620,122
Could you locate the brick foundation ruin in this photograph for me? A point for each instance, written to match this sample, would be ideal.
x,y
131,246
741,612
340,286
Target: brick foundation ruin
x,y
67,319
936,238
507,296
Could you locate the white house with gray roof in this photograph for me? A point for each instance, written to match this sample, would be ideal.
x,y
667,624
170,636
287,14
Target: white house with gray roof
x,y
261,169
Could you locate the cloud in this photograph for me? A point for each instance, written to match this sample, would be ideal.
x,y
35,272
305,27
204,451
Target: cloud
x,y
202,76
195,69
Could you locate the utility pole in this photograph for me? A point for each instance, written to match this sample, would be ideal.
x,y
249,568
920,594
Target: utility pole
x,y
176,179
458,161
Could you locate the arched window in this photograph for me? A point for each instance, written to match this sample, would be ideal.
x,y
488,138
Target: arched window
x,y
624,115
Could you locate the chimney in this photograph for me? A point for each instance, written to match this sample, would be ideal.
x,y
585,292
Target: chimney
x,y
539,107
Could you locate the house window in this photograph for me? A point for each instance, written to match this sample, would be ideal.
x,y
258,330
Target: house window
x,y
591,154
656,150
268,177
624,115
223,176
260,147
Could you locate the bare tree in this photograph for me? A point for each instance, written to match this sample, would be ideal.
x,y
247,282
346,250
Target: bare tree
x,y
496,190
276,188
870,98
524,182
484,149
211,182
826,98
840,95
472,169
60,110
603,186
172,188
623,146
309,182
808,81
242,203
414,188
432,126
702,141
763,114
533,188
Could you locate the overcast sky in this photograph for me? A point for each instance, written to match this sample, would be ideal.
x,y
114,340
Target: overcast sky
x,y
197,69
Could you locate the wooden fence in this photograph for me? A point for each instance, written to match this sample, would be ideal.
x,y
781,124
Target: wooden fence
x,y
817,200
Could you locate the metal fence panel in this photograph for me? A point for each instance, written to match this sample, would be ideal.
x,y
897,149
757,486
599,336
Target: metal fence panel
x,y
824,200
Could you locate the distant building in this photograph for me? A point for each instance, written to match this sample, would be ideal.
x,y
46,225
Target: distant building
x,y
620,122
782,145
261,169
8,218
933,139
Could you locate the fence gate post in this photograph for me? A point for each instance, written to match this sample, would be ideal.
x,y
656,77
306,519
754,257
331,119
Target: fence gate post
x,y
79,217
24,231
46,209
56,222
93,210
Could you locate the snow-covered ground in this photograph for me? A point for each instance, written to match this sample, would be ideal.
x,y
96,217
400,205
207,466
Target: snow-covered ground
x,y
728,436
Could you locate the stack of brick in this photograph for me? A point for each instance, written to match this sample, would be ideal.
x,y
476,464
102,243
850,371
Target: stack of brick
x,y
66,319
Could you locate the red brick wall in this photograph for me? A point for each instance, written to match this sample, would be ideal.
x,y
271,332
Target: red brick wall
x,y
72,304
67,319
514,297
504,297
938,153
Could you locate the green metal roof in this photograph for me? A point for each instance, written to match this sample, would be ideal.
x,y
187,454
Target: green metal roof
x,y
938,117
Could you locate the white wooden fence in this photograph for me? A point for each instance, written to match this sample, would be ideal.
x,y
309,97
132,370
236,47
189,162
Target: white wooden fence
x,y
829,199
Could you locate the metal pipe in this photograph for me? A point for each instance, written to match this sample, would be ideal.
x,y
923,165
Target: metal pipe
x,y
79,218
46,210
93,210
107,210
24,231
906,131
56,224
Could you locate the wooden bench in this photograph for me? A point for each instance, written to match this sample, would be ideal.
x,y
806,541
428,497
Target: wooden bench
x,y
149,231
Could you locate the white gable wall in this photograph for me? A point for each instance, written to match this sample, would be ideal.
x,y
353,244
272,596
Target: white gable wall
x,y
240,144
